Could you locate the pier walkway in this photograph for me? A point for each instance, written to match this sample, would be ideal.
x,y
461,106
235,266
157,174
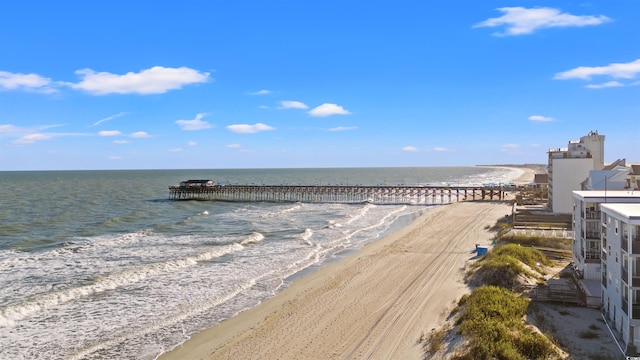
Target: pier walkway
x,y
199,190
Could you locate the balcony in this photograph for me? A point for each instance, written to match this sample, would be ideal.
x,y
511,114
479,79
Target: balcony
x,y
592,256
635,311
593,215
593,234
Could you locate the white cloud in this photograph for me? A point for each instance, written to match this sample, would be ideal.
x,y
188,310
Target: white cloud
x,y
540,118
616,70
32,138
140,135
195,124
121,141
109,133
192,143
114,157
327,109
288,104
510,146
263,107
261,92
249,129
343,128
410,148
605,85
156,80
27,82
519,20
109,118
234,146
440,149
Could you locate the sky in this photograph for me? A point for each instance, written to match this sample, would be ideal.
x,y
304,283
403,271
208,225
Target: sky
x,y
194,84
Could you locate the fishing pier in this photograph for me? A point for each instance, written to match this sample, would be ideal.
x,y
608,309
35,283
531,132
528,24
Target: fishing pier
x,y
345,194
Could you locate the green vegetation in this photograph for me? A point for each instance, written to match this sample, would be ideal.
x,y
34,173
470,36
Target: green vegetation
x,y
529,240
492,319
503,265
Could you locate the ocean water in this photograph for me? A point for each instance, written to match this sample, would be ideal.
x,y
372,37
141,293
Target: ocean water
x,y
101,265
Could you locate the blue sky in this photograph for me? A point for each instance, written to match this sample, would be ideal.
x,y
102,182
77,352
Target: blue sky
x,y
254,84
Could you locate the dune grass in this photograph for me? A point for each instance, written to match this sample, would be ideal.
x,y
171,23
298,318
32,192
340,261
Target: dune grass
x,y
504,264
492,320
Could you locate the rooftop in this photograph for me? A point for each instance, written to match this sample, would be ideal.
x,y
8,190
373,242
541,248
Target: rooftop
x,y
630,211
609,194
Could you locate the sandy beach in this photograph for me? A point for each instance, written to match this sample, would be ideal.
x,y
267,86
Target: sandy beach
x,y
373,304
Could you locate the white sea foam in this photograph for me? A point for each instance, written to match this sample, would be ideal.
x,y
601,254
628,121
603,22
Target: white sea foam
x,y
255,237
12,313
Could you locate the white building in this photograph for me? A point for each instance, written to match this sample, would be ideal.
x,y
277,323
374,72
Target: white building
x,y
569,167
587,236
621,272
614,176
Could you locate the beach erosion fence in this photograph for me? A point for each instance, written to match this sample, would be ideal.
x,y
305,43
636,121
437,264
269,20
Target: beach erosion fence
x,y
355,194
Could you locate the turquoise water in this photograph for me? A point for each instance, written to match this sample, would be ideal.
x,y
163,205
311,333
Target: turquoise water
x,y
100,264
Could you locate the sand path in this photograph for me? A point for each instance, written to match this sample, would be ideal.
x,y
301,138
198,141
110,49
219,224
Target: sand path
x,y
372,305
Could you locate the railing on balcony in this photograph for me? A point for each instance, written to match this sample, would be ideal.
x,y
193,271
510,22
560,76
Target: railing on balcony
x,y
593,234
593,215
624,245
592,256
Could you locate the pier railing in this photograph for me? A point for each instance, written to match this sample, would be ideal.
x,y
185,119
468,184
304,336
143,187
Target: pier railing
x,y
337,193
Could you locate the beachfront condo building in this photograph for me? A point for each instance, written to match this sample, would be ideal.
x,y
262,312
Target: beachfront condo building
x,y
621,273
587,251
569,167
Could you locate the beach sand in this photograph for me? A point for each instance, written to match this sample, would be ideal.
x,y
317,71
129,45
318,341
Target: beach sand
x,y
373,304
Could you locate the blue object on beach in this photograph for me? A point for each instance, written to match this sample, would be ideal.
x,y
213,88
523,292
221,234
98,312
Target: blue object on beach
x,y
482,250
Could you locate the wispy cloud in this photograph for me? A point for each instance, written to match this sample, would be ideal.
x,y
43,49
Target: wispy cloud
x,y
32,138
288,104
109,118
234,146
140,135
608,84
441,149
343,128
410,149
155,80
540,118
26,82
109,133
327,109
260,92
192,143
625,71
521,21
249,129
194,124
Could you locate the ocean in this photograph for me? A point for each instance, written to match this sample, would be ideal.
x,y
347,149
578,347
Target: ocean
x,y
102,265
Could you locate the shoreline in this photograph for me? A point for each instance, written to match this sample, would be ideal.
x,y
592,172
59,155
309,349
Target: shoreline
x,y
348,310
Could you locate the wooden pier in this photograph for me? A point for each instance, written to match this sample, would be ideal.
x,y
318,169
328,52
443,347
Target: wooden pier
x,y
414,195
